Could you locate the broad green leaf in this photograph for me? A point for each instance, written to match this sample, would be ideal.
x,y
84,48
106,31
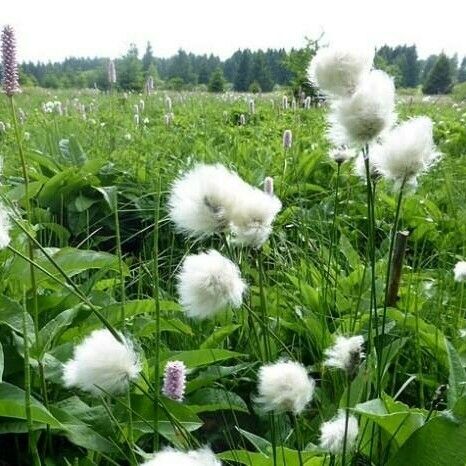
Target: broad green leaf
x,y
11,314
71,261
2,361
12,404
202,357
440,442
110,194
397,419
216,399
457,377
218,336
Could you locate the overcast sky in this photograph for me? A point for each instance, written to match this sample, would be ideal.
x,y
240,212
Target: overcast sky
x,y
55,29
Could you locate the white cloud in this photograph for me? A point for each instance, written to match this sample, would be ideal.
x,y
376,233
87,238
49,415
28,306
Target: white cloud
x,y
54,29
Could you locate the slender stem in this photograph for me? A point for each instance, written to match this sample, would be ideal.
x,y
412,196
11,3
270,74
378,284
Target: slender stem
x,y
27,392
299,440
273,434
348,401
130,421
120,260
263,306
333,238
387,282
156,294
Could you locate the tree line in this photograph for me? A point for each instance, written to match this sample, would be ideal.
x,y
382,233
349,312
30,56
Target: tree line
x,y
245,70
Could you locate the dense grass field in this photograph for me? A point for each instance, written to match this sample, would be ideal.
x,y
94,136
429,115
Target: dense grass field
x,y
95,210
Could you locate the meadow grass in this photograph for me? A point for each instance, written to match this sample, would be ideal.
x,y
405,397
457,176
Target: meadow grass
x,y
103,245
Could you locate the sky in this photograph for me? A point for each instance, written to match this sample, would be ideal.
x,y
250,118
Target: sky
x,y
55,29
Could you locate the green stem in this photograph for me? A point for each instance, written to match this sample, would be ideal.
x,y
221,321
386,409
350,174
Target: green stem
x,y
263,306
27,392
120,260
299,440
156,294
348,401
387,281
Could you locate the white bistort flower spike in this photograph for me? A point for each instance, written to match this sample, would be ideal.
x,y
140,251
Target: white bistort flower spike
x,y
102,362
284,386
460,271
171,457
209,282
332,433
368,112
346,354
338,71
407,151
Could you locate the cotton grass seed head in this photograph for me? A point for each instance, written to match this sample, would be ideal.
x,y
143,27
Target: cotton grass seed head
x,y
342,154
208,283
338,71
253,215
284,386
102,362
407,151
368,112
174,380
10,66
268,185
460,271
332,433
345,354
171,457
201,201
5,226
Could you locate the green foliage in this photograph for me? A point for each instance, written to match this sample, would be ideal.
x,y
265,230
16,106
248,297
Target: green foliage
x,y
217,81
439,80
83,171
130,71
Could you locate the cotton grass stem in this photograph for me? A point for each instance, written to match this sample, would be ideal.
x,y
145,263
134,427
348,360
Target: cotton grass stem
x,y
348,401
156,295
387,283
27,392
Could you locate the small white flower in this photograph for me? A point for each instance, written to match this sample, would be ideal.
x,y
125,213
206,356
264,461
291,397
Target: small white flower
x,y
27,136
407,151
170,457
367,113
285,386
128,137
338,71
345,354
5,226
102,362
460,271
332,433
209,282
168,104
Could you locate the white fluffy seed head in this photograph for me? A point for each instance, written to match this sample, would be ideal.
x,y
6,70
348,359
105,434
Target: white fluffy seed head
x,y
210,199
332,433
338,71
201,201
345,354
102,362
407,151
170,457
284,386
460,271
368,112
360,167
252,218
342,153
209,282
5,225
